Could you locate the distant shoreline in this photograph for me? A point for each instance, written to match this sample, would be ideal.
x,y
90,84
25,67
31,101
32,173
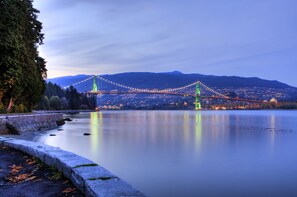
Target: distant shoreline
x,y
61,111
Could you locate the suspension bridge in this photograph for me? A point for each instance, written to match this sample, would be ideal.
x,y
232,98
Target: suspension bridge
x,y
169,91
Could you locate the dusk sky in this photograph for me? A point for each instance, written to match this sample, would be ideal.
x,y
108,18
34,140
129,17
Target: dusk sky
x,y
214,37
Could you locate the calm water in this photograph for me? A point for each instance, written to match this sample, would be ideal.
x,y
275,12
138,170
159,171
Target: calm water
x,y
189,153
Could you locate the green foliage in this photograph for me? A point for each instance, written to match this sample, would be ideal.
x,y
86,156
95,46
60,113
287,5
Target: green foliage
x,y
40,163
2,109
64,103
56,174
19,109
54,90
73,98
88,102
22,108
44,103
100,178
55,103
86,165
65,99
15,109
22,70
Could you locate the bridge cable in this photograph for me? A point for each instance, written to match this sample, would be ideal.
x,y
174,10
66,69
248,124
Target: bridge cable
x,y
74,84
148,90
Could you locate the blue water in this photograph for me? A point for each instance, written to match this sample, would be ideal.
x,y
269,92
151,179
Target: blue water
x,y
189,153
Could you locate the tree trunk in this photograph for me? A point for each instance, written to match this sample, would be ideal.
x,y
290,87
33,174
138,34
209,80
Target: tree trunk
x,y
10,104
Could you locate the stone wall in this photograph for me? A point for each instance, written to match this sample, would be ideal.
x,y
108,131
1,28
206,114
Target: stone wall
x,y
3,128
19,124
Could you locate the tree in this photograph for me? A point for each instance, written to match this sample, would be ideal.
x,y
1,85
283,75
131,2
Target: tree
x,y
55,103
54,90
69,98
22,70
90,102
64,103
73,98
44,103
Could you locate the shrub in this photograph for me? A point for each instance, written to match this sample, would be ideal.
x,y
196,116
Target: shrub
x,y
2,109
14,109
22,108
55,103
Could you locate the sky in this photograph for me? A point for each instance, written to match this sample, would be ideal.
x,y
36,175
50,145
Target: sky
x,y
248,38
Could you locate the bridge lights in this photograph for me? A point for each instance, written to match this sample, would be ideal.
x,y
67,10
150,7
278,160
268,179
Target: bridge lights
x,y
197,103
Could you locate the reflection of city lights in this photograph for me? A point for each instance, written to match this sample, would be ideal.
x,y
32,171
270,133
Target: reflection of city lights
x,y
186,125
100,118
272,125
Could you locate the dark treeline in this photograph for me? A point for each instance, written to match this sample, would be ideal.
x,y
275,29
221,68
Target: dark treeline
x,y
22,70
55,98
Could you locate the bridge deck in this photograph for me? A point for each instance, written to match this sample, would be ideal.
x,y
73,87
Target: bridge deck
x,y
172,93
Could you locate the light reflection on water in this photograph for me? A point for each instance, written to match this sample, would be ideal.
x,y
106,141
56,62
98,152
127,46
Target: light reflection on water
x,y
190,153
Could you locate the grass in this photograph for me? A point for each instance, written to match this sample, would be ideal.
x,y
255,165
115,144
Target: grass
x,y
101,178
40,163
56,174
86,165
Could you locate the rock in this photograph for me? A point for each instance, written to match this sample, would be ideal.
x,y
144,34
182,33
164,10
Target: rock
x,y
60,129
87,134
60,122
67,119
12,129
52,134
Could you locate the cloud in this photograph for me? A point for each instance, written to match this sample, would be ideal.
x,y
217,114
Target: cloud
x,y
213,37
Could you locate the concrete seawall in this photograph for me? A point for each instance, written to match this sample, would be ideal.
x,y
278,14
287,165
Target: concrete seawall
x,y
87,176
19,124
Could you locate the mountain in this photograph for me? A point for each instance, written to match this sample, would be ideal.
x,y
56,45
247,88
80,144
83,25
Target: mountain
x,y
250,88
171,80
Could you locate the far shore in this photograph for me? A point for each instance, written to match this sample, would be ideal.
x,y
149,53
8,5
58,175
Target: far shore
x,y
67,111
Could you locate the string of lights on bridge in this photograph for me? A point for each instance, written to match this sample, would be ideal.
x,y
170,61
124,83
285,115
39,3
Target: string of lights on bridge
x,y
149,90
77,83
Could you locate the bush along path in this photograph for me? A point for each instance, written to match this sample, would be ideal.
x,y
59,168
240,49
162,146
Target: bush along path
x,y
26,176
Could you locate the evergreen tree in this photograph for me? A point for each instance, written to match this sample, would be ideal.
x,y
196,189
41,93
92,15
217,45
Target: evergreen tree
x,y
73,98
22,70
89,101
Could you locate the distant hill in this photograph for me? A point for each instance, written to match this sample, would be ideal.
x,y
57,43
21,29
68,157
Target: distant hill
x,y
171,80
251,87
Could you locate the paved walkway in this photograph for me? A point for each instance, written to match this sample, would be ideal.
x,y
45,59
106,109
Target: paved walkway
x,y
22,175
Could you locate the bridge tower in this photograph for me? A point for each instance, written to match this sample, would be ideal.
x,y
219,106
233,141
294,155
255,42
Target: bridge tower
x,y
197,103
95,87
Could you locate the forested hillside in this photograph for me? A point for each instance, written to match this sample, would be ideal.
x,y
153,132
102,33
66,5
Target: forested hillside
x,y
56,98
